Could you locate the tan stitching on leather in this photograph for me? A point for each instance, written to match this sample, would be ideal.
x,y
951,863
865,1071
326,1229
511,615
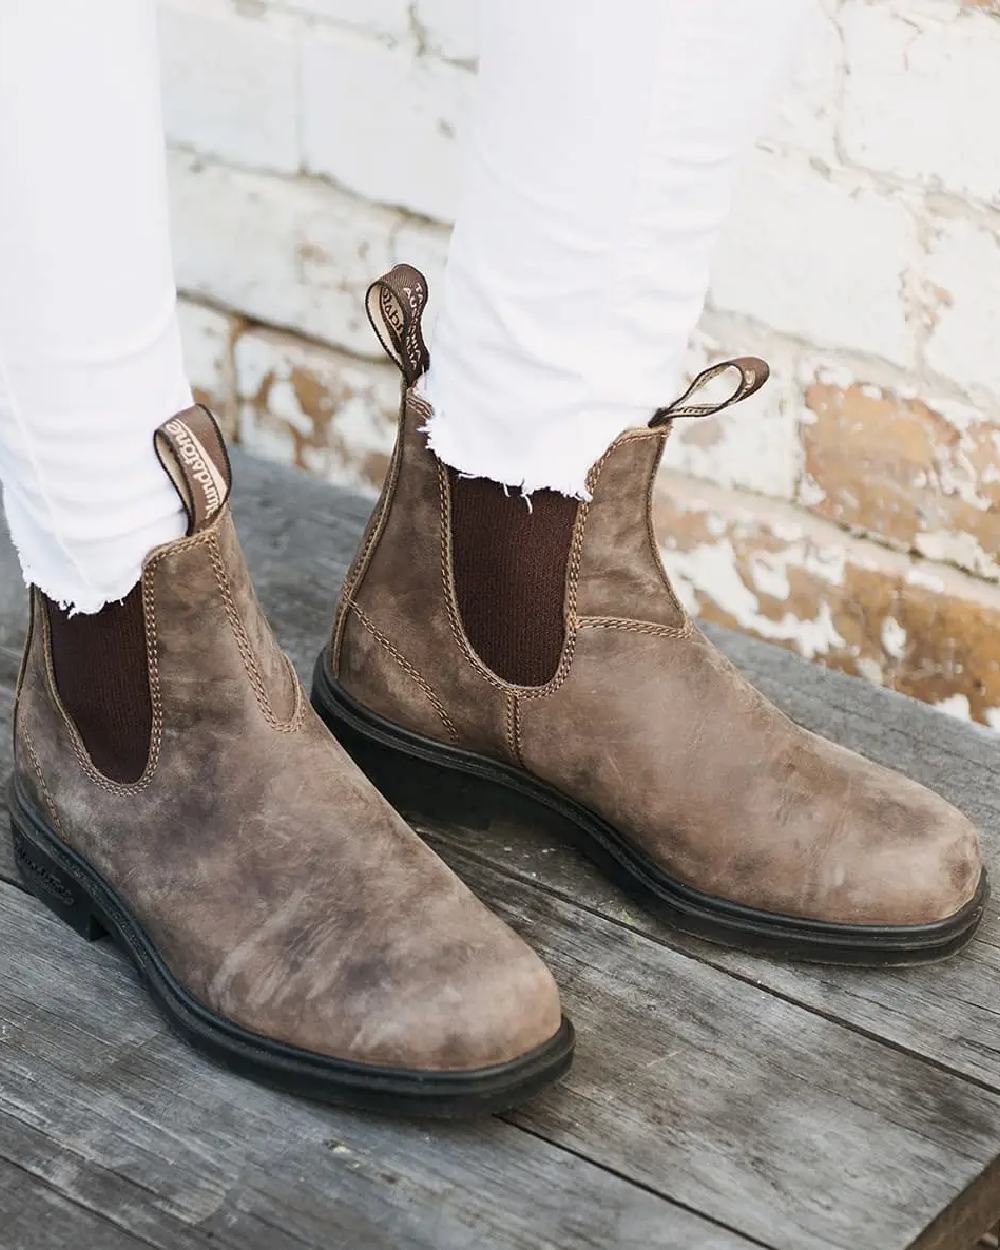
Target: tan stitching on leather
x,y
512,721
359,565
664,434
245,649
630,436
637,627
29,638
454,620
156,735
46,795
407,667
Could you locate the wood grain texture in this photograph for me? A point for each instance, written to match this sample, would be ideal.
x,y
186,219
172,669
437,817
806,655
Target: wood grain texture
x,y
717,1100
101,1103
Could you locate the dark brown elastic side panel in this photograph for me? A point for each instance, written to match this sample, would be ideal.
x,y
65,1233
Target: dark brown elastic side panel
x,y
510,575
102,676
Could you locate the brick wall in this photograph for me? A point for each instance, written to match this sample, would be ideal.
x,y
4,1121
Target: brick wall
x,y
851,511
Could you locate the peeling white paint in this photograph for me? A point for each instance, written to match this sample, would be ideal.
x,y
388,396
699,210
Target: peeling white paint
x,y
956,705
871,670
769,574
919,576
950,547
711,571
810,492
893,638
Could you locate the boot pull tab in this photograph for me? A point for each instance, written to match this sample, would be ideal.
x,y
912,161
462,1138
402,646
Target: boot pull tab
x,y
395,304
193,453
753,374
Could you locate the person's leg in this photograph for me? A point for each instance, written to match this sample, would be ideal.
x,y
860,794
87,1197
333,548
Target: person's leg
x,y
541,647
90,359
171,784
599,172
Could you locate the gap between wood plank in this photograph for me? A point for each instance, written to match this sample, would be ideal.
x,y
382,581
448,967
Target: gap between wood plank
x,y
508,1118
42,1182
10,1113
433,838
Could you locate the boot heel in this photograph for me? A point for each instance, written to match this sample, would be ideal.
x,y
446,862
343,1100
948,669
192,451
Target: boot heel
x,y
418,790
426,782
54,887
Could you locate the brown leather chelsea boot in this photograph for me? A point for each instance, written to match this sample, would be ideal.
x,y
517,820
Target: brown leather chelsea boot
x,y
546,655
283,916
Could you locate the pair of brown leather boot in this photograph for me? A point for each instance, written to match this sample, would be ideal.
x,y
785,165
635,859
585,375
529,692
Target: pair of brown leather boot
x,y
286,918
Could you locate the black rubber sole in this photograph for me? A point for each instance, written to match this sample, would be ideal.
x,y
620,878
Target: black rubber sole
x,y
74,892
432,781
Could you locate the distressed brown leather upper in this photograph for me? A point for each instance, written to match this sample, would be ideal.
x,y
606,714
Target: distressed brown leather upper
x,y
282,890
644,722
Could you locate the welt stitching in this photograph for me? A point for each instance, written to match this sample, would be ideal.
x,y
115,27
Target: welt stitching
x,y
46,795
407,667
249,659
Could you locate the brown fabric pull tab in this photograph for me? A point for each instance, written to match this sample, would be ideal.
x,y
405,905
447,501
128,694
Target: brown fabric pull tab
x,y
753,374
193,453
395,304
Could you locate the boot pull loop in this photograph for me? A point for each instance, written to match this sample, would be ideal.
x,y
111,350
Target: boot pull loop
x,y
753,374
395,305
192,451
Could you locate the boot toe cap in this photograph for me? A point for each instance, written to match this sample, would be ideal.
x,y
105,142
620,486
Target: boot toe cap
x,y
923,864
482,1014
431,1000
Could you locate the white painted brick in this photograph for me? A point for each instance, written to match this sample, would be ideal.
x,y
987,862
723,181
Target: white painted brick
x,y
230,86
805,111
207,337
330,414
382,18
817,259
382,122
296,254
964,270
923,96
449,27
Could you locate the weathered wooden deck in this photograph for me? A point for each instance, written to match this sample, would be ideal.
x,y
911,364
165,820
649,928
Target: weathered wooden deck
x,y
718,1101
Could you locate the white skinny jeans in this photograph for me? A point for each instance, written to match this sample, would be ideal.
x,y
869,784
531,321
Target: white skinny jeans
x,y
599,173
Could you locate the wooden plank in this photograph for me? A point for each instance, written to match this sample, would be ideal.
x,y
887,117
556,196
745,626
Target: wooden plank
x,y
299,538
800,1131
89,1193
105,1107
39,1217
946,1012
724,1100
